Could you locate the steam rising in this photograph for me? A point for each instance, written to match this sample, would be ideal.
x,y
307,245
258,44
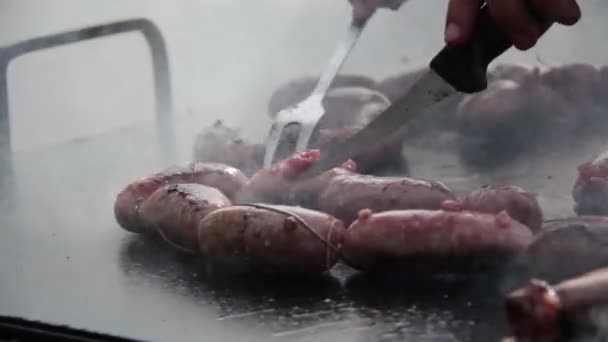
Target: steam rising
x,y
227,57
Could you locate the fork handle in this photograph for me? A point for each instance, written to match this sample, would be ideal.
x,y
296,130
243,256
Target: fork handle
x,y
338,58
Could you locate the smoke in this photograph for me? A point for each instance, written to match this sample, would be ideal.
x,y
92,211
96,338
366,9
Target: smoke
x,y
227,57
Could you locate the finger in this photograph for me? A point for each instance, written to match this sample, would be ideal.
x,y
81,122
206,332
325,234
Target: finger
x,y
566,12
514,19
460,20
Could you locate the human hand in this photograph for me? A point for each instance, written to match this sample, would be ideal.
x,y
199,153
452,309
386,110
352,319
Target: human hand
x,y
524,21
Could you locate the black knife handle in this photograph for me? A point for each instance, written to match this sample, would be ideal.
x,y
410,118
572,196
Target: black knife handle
x,y
465,66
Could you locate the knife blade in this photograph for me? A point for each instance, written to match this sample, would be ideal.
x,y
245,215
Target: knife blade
x,y
454,69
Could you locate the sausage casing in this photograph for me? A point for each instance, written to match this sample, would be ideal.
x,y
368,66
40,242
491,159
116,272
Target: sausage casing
x,y
176,210
271,238
433,240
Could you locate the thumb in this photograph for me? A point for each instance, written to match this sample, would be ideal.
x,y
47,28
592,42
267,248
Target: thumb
x,y
460,20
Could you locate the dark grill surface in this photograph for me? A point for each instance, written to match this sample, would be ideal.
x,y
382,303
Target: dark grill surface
x,y
65,260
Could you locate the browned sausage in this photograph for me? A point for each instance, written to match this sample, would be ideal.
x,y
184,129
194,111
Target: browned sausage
x,y
568,247
577,81
347,193
514,72
271,238
520,204
222,144
542,312
432,240
176,210
509,118
277,185
590,191
227,179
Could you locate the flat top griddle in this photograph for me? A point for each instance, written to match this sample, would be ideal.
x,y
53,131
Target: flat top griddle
x,y
65,260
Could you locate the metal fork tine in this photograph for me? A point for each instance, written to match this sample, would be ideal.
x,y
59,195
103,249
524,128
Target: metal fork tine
x,y
308,112
273,143
304,136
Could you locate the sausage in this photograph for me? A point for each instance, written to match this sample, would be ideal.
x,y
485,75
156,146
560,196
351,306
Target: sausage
x,y
271,238
347,193
277,184
520,204
509,118
590,190
568,247
222,144
491,124
576,81
432,240
514,72
176,210
541,311
227,179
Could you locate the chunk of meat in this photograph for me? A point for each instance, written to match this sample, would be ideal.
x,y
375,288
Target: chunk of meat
x,y
520,204
507,119
269,238
432,240
176,210
513,72
222,144
568,247
576,81
227,179
348,193
590,190
278,184
543,312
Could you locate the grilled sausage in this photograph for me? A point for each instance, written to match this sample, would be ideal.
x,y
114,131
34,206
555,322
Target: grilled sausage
x,y
271,238
514,72
348,193
543,312
277,185
590,191
432,240
176,210
495,125
568,247
222,144
228,180
576,81
520,204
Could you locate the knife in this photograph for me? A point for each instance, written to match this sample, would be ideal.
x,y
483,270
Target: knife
x,y
454,69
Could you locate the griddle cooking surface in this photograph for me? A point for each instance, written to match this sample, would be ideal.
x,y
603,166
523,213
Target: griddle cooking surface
x,y
65,260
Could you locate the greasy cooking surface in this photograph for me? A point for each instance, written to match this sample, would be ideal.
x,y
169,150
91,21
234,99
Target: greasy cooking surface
x,y
65,259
